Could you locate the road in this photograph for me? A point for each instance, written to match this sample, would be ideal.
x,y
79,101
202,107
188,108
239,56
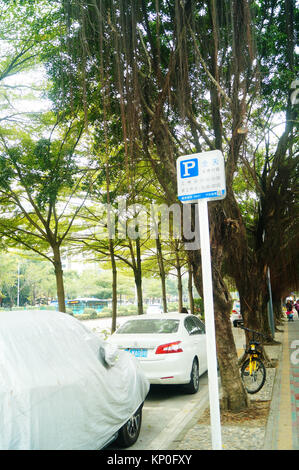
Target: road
x,y
167,409
103,325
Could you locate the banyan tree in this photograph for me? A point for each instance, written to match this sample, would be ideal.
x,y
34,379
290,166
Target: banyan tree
x,y
175,77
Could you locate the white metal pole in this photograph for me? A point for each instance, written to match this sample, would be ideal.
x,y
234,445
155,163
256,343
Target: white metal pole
x,y
209,323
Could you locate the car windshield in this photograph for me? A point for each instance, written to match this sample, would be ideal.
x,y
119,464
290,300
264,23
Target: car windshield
x,y
150,325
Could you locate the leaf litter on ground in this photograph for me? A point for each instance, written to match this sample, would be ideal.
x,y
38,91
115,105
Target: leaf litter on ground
x,y
255,415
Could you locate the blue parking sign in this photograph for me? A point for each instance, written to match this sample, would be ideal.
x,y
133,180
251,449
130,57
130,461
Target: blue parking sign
x,y
201,176
189,168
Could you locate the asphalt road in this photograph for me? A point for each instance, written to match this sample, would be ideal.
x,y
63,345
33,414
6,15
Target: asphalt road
x,y
166,411
102,325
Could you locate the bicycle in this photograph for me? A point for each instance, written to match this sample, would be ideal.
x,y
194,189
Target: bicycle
x,y
253,371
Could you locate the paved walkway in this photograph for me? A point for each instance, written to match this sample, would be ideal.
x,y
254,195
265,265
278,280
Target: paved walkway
x,y
281,432
284,422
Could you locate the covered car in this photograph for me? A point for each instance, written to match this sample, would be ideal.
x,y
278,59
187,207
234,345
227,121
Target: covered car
x,y
61,387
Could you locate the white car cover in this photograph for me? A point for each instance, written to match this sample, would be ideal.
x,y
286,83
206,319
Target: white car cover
x,y
56,391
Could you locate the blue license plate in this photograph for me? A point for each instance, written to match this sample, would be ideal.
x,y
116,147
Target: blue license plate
x,y
137,352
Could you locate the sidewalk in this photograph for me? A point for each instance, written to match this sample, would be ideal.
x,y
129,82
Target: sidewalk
x,y
280,431
283,424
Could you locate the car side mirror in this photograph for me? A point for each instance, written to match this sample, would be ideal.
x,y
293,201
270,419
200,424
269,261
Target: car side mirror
x,y
108,355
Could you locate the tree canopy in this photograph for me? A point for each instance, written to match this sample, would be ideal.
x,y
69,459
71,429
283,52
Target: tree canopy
x,y
137,84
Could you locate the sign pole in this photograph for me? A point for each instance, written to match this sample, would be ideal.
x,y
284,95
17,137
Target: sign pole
x,y
209,323
270,304
201,178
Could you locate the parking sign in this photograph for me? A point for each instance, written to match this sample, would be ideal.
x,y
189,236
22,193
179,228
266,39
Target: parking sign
x,y
189,168
201,176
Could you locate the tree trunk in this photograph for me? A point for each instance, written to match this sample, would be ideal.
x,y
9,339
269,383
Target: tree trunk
x,y
277,309
114,286
251,302
244,263
111,245
138,278
179,276
161,272
138,283
137,270
59,278
180,289
234,394
190,288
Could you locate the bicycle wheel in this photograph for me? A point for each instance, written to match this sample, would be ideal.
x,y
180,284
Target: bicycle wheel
x,y
255,380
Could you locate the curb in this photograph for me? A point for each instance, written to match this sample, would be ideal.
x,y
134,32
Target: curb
x,y
181,422
183,427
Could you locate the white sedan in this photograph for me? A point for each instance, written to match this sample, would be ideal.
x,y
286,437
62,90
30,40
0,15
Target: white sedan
x,y
154,308
236,317
171,347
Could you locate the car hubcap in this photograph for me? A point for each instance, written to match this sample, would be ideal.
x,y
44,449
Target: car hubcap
x,y
133,425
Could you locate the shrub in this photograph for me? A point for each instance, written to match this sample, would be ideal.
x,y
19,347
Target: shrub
x,y
132,309
106,311
173,307
91,312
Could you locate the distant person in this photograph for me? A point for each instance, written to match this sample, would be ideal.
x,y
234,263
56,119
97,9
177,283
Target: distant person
x,y
184,310
290,315
289,312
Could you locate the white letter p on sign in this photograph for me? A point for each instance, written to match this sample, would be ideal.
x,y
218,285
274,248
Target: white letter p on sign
x,y
188,165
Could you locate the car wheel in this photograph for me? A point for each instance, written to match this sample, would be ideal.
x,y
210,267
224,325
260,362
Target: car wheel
x,y
129,432
193,385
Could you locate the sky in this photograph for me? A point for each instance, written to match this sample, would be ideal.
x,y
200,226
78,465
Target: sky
x,y
28,95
